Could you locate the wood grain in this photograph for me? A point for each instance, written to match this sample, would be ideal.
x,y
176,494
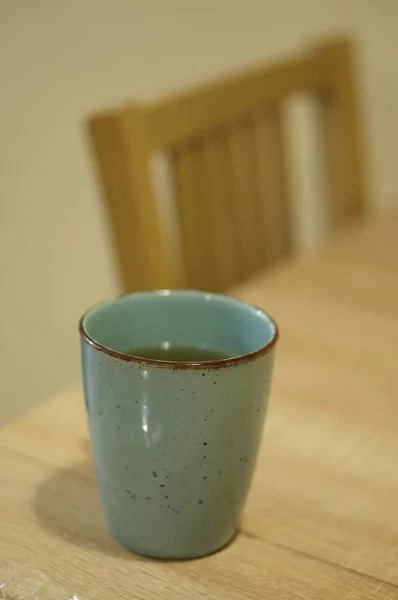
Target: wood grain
x,y
327,480
52,522
321,521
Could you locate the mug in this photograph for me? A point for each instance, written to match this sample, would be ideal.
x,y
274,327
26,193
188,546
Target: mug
x,y
174,444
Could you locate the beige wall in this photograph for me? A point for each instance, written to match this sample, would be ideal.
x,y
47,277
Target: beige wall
x,y
59,60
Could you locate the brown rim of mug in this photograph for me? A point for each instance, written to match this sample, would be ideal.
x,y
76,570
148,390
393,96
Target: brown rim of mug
x,y
182,365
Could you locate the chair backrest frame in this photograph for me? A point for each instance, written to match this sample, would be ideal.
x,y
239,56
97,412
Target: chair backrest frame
x,y
125,139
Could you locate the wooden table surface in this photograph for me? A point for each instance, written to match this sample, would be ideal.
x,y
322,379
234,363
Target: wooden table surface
x,y
322,518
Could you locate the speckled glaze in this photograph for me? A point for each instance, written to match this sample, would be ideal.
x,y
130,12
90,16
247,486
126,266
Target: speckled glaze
x,y
175,444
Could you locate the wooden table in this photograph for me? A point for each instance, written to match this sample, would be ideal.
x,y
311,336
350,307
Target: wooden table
x,y
322,518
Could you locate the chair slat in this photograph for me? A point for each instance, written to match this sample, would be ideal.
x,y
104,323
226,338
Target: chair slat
x,y
217,200
273,211
245,196
193,219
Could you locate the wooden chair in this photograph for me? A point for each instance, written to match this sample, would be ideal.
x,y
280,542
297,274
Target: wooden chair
x,y
225,145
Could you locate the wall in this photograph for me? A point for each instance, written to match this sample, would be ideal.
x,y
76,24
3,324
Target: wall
x,y
60,60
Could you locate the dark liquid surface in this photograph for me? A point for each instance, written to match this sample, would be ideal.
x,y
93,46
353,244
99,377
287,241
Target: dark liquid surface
x,y
165,351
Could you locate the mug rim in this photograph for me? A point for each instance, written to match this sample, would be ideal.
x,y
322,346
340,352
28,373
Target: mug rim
x,y
180,365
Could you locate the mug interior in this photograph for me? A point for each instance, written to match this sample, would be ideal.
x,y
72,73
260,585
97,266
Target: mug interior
x,y
182,318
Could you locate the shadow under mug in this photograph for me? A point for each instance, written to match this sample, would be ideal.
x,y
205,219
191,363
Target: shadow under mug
x,y
175,444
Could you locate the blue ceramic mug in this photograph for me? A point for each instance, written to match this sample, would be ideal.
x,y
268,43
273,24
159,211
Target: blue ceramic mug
x,y
175,443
